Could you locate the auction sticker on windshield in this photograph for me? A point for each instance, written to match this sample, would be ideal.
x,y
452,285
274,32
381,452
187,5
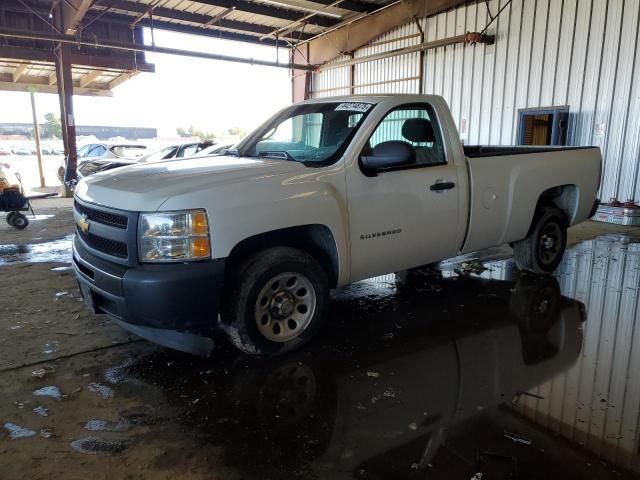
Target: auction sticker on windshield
x,y
354,107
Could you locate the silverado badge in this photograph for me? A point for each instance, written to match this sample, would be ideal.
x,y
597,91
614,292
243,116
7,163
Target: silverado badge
x,y
83,224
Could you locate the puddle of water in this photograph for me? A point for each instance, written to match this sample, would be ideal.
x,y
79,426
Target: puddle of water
x,y
16,431
62,269
50,348
54,251
103,391
98,446
96,425
39,218
41,411
50,391
43,372
117,374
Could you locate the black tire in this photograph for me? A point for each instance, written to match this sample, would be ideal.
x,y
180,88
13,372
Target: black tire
x,y
19,221
258,276
10,216
542,250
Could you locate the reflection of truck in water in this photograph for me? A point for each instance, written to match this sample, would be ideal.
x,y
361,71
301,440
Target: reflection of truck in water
x,y
325,193
381,392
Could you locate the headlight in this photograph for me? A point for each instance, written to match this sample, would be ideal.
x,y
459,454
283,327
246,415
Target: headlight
x,y
174,236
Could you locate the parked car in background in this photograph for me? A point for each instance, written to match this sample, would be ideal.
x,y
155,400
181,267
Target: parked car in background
x,y
21,151
218,149
100,164
5,151
177,151
95,157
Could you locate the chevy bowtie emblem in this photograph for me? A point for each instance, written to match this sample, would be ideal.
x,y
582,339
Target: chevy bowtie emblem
x,y
83,224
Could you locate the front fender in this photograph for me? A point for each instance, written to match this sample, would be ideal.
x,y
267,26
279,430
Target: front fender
x,y
244,209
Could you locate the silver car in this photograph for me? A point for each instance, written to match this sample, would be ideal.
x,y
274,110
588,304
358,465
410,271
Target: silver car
x,y
95,157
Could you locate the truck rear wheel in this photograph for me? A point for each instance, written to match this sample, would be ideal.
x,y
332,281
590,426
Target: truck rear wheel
x,y
542,250
277,301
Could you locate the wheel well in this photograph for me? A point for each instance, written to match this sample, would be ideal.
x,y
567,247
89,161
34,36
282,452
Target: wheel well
x,y
563,197
316,240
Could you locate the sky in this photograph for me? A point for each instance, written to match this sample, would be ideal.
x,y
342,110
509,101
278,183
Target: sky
x,y
209,94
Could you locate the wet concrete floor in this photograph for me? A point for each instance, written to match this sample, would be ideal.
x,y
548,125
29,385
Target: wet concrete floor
x,y
473,368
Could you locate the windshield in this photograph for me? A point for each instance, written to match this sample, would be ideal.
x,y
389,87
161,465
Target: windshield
x,y
311,133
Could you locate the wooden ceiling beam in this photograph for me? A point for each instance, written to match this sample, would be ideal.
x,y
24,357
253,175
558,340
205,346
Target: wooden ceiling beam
x,y
89,78
19,72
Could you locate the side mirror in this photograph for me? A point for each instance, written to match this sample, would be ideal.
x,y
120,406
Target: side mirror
x,y
388,156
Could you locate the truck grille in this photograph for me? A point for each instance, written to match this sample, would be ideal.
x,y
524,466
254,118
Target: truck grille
x,y
105,245
106,218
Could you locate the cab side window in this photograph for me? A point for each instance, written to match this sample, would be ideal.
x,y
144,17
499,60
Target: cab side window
x,y
417,126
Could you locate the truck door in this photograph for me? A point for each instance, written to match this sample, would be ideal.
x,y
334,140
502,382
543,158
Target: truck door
x,y
404,216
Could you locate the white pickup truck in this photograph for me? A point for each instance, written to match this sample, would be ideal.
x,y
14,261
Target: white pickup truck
x,y
325,193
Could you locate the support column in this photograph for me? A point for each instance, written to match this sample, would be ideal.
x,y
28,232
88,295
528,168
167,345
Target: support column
x,y
300,81
352,76
65,94
36,132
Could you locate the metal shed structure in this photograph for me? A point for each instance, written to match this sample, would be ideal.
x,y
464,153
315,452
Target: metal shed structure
x,y
580,53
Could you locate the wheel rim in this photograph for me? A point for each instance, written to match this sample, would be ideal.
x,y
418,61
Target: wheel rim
x,y
285,306
550,243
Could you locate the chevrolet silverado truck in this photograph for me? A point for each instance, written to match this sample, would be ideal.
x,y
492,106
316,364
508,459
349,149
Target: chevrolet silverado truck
x,y
325,193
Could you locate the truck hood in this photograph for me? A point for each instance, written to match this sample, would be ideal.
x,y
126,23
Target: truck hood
x,y
144,187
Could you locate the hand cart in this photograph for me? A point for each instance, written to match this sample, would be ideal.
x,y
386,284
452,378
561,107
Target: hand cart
x,y
13,201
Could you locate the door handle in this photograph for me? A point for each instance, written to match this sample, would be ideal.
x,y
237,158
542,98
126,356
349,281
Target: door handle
x,y
439,186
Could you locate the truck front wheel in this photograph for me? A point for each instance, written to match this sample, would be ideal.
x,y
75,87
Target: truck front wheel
x,y
542,250
276,302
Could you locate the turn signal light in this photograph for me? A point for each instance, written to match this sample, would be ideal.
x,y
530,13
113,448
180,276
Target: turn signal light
x,y
199,224
200,247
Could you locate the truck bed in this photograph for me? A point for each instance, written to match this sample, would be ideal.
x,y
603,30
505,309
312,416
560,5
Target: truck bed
x,y
507,182
476,151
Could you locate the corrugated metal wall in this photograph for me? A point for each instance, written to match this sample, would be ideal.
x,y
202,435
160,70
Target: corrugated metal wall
x,y
581,53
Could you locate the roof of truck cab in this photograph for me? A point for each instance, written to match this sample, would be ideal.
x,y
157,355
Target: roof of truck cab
x,y
367,98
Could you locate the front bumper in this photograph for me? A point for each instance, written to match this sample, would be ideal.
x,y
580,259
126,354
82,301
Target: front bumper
x,y
163,303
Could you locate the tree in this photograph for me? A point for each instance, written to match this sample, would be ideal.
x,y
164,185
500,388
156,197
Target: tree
x,y
192,131
237,131
52,126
